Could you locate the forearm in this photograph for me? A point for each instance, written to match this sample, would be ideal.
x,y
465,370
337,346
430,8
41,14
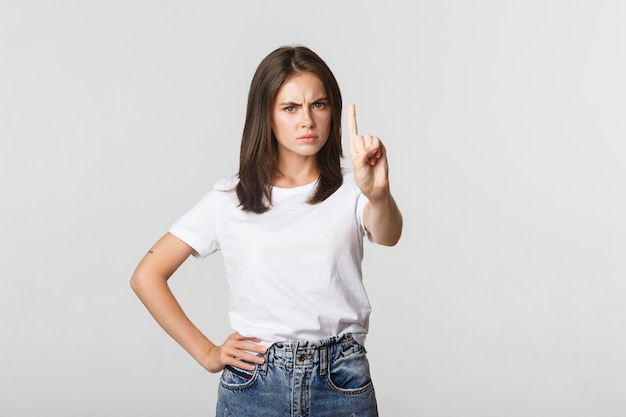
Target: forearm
x,y
156,295
383,220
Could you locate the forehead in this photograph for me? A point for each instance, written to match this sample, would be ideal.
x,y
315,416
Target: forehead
x,y
302,85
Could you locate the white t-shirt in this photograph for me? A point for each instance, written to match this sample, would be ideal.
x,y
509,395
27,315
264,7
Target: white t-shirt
x,y
294,271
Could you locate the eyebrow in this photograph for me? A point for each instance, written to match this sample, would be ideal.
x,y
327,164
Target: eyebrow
x,y
293,103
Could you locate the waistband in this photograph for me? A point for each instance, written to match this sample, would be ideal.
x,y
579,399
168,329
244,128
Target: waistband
x,y
308,353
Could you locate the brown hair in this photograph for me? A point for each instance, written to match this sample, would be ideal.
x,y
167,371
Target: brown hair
x,y
258,144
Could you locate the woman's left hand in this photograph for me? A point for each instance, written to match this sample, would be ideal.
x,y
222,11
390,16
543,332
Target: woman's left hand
x,y
381,216
369,160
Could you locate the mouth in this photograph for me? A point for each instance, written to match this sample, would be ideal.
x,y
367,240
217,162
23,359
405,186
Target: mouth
x,y
307,138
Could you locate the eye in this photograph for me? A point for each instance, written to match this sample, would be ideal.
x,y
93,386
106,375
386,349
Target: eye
x,y
319,105
289,109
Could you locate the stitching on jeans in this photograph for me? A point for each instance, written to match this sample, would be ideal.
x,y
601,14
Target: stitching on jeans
x,y
239,372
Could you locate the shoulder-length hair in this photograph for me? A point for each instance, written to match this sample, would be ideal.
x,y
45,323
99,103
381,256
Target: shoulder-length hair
x,y
258,144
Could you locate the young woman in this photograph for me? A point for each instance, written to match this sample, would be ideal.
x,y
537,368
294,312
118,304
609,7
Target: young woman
x,y
290,227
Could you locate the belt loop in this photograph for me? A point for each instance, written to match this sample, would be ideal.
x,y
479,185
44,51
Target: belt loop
x,y
323,360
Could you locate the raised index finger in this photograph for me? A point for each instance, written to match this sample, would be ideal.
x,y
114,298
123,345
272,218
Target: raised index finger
x,y
352,129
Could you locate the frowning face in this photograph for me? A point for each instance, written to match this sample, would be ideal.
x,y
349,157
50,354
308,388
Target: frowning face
x,y
301,117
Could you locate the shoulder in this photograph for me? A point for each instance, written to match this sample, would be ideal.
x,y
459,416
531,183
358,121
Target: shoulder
x,y
222,190
226,183
348,173
348,179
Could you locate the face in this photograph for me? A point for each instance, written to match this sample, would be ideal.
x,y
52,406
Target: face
x,y
301,116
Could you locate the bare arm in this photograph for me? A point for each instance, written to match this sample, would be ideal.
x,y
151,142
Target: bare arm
x,y
383,220
382,217
149,281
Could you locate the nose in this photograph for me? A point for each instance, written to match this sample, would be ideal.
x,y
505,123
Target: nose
x,y
307,118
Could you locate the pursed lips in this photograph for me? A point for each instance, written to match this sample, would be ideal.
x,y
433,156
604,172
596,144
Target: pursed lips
x,y
307,138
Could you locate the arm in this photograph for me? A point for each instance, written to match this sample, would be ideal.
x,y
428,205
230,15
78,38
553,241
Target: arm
x,y
382,217
383,220
149,281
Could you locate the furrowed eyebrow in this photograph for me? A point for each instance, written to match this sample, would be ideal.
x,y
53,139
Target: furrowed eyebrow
x,y
293,103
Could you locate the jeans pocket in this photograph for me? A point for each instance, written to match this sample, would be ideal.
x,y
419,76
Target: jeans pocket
x,y
237,378
350,374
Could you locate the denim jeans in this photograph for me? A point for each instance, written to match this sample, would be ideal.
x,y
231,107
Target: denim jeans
x,y
326,378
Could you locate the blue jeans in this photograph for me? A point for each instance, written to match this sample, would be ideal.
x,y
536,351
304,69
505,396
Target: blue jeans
x,y
326,378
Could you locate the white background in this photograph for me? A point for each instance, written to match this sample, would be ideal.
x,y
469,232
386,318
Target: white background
x,y
505,127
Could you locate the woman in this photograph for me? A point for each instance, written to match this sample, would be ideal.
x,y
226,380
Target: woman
x,y
290,227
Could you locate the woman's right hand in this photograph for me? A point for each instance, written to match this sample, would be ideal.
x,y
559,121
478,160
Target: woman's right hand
x,y
238,351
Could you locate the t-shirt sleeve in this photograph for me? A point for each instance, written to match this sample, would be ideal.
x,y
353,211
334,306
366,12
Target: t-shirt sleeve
x,y
197,227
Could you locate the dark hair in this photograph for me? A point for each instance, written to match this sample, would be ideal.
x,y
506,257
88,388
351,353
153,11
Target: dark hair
x,y
258,144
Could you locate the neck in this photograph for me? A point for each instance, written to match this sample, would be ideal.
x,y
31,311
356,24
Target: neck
x,y
295,175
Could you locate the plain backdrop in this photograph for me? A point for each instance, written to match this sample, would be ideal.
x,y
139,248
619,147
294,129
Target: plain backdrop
x,y
505,128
